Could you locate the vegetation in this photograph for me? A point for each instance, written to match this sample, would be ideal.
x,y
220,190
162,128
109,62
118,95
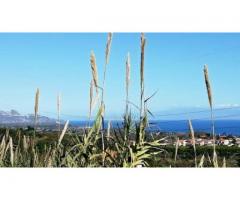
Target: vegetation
x,y
43,151
99,146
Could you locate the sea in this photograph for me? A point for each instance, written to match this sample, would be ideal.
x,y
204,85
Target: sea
x,y
222,127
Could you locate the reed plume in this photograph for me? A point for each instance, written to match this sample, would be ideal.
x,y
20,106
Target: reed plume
x,y
107,54
36,107
210,99
108,48
143,41
127,81
208,86
94,70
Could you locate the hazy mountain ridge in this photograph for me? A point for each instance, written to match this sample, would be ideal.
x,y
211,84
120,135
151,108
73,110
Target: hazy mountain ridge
x,y
14,117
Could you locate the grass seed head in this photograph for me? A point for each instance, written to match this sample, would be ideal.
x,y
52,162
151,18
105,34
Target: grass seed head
x,y
36,107
208,86
94,70
108,47
143,41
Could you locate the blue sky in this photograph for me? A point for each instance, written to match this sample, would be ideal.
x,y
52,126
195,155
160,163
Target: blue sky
x,y
59,62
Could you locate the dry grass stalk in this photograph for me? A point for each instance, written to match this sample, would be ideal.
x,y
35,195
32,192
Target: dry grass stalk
x,y
63,133
94,70
224,163
7,147
128,66
193,140
209,159
91,98
210,99
107,53
215,160
3,143
176,150
127,80
201,161
48,160
36,106
108,130
103,145
25,143
11,151
143,41
28,141
50,164
2,150
7,134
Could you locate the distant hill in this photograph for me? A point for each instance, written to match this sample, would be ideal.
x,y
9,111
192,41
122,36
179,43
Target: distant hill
x,y
13,117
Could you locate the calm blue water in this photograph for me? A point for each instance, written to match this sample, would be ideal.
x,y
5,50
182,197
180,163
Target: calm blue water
x,y
221,126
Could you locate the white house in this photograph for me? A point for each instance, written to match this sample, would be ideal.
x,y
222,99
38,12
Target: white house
x,y
226,142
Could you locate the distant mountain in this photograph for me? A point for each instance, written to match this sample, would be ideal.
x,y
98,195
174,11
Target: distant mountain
x,y
14,117
14,113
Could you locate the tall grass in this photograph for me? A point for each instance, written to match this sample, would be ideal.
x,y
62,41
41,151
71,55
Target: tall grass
x,y
63,133
143,114
11,151
193,141
128,68
94,70
127,117
176,151
90,99
143,41
119,147
107,54
210,100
